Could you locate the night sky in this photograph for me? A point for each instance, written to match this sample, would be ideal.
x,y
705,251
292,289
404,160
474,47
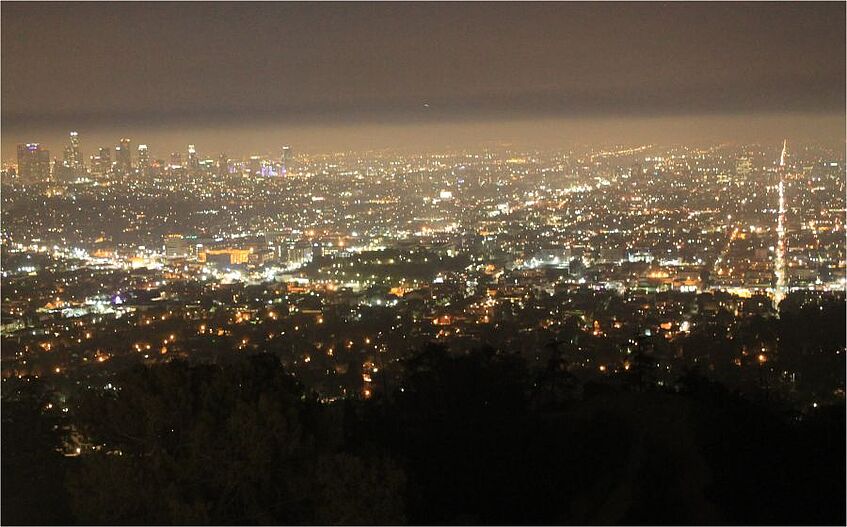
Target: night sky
x,y
245,76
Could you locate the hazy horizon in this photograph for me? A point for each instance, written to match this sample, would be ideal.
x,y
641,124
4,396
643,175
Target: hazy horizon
x,y
239,140
249,77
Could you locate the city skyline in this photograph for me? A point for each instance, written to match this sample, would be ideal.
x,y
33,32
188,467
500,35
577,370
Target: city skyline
x,y
549,134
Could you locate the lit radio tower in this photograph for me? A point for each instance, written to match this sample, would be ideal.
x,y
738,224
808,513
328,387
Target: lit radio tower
x,y
779,263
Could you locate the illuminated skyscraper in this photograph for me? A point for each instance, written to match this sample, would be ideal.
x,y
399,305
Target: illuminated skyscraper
x,y
68,157
123,157
75,161
63,171
143,159
101,164
94,163
223,165
255,165
176,160
33,163
287,159
193,161
56,170
119,161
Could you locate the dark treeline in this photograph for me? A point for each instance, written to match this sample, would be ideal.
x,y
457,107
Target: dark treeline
x,y
469,438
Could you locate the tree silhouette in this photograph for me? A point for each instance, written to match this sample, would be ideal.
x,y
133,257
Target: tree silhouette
x,y
206,444
465,437
555,384
32,468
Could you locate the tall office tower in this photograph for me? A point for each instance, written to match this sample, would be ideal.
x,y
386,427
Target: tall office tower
x,y
105,154
193,161
255,165
94,163
123,157
68,157
119,154
75,159
33,163
60,171
101,164
143,159
287,159
223,165
176,160
64,171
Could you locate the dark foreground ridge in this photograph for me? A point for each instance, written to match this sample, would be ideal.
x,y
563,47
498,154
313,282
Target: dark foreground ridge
x,y
470,438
